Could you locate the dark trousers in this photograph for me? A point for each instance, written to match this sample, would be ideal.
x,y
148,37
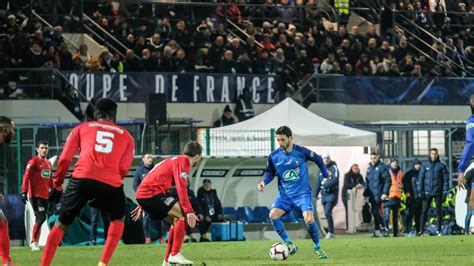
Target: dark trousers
x,y
426,206
375,208
328,206
95,220
204,225
394,208
148,223
345,202
414,209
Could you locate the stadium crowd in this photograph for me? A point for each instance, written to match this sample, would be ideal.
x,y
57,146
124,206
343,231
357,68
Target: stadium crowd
x,y
285,38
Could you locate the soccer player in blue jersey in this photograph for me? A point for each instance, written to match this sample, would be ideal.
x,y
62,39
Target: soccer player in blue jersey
x,y
294,191
467,153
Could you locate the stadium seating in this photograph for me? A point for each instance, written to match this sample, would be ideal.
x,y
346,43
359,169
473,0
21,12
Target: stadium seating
x,y
261,214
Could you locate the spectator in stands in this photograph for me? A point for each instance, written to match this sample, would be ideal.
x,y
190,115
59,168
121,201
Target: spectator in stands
x,y
236,48
244,64
244,107
393,71
164,28
215,53
416,72
226,118
362,66
82,61
229,11
166,60
181,64
146,165
201,36
140,44
329,188
228,64
155,42
401,51
371,33
376,176
268,10
392,195
51,57
131,63
65,58
406,64
130,41
147,62
106,62
181,35
433,183
352,179
34,57
210,206
56,37
413,202
304,65
327,67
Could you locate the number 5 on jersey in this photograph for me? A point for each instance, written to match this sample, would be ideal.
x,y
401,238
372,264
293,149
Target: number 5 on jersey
x,y
104,143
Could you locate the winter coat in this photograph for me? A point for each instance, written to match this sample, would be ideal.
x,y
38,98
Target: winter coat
x,y
376,180
433,179
329,187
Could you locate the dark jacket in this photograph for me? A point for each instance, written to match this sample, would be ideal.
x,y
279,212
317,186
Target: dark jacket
x,y
209,200
350,181
141,172
223,121
410,184
433,179
192,199
244,108
376,176
329,187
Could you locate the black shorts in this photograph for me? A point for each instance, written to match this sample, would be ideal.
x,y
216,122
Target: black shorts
x,y
158,206
39,205
102,196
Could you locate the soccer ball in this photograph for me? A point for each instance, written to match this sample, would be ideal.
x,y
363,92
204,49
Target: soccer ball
x,y
278,251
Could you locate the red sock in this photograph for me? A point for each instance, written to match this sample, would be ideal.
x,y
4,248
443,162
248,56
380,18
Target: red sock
x,y
5,242
54,238
113,237
36,233
179,233
170,243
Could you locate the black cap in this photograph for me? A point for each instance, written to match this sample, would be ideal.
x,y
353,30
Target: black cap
x,y
227,109
416,161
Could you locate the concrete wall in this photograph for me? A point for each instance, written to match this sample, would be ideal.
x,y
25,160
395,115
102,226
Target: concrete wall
x,y
47,111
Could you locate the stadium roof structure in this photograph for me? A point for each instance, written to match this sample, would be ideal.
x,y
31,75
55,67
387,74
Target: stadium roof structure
x,y
308,128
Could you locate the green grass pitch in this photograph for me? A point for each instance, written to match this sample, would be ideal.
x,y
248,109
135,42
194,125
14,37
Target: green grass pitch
x,y
449,250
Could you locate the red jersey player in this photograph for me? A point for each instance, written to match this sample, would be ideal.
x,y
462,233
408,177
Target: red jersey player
x,y
7,130
36,183
106,153
154,198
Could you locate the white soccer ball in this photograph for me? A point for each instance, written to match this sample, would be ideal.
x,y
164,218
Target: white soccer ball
x,y
278,251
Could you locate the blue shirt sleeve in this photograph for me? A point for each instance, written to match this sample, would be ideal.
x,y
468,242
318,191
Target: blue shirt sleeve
x,y
312,156
468,150
270,171
136,179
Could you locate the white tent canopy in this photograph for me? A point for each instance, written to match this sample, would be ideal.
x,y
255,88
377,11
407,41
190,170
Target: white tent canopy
x,y
308,128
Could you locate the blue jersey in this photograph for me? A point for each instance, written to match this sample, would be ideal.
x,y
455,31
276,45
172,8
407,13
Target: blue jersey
x,y
468,147
292,170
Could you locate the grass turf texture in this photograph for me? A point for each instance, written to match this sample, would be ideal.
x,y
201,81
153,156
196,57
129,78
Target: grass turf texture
x,y
449,250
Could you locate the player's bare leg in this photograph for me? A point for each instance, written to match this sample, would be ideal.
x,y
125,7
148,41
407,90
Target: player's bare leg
x,y
314,233
176,237
275,215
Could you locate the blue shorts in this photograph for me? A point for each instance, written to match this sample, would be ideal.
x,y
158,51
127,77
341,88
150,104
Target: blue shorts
x,y
302,203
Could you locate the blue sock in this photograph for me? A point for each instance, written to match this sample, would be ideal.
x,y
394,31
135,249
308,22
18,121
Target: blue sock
x,y
313,231
280,229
